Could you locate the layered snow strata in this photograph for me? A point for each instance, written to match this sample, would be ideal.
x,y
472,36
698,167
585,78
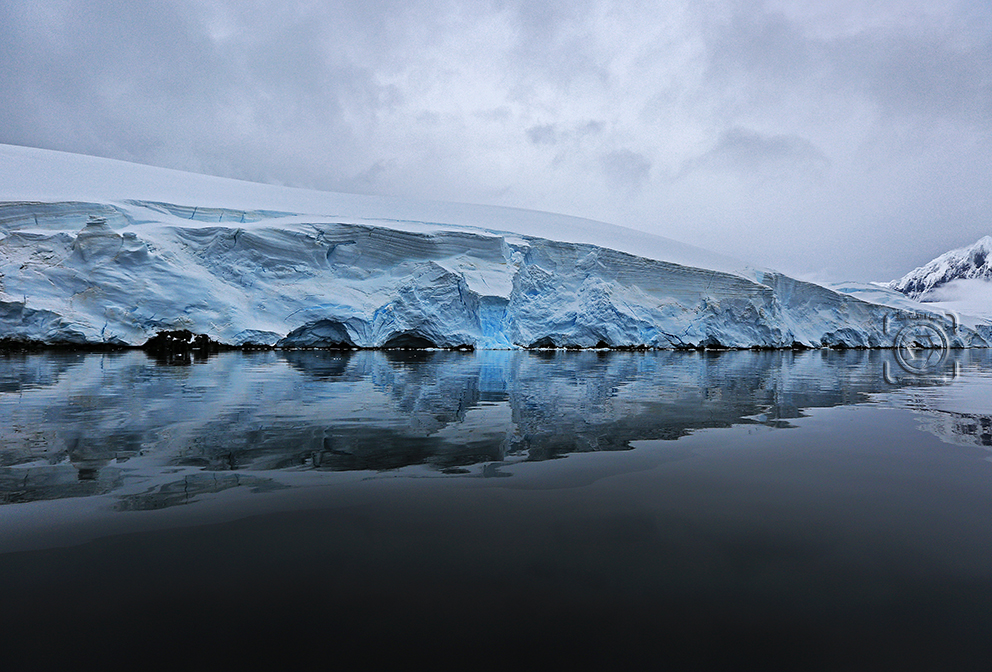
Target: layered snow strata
x,y
120,272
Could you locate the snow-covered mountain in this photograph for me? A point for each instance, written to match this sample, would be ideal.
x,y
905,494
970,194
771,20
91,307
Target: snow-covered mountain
x,y
101,251
973,262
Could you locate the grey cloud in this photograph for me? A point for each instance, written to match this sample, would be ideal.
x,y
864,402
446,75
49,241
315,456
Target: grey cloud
x,y
551,134
370,177
149,83
932,73
428,99
748,153
542,135
917,77
592,128
625,168
553,45
760,46
500,114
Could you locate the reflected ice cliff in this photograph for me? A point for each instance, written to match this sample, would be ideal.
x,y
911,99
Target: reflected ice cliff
x,y
154,436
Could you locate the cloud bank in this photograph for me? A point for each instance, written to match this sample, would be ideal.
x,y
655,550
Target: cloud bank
x,y
834,140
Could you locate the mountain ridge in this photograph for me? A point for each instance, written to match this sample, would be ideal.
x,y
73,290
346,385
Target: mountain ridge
x,y
972,262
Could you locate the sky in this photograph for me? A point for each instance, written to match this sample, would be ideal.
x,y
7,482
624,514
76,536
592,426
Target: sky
x,y
833,140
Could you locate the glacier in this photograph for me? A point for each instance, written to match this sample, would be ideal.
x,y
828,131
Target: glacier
x,y
94,251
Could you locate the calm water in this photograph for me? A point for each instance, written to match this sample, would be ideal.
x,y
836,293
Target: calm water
x,y
817,510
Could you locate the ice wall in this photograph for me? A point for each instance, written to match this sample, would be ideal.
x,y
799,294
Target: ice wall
x,y
120,272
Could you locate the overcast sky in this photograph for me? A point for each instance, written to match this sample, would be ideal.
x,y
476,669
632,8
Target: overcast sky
x,y
834,140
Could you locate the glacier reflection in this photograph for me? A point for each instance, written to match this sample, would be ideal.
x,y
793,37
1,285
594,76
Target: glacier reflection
x,y
76,425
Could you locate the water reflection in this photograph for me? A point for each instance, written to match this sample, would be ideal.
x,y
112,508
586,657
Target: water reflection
x,y
191,486
76,425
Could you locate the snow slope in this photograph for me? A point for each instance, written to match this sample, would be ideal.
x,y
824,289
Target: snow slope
x,y
94,250
958,281
29,174
973,262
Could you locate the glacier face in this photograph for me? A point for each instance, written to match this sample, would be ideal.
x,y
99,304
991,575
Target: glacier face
x,y
118,272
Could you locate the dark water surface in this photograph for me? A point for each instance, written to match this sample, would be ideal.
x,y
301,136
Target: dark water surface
x,y
817,510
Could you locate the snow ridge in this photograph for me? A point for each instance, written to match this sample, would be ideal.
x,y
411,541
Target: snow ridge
x,y
973,262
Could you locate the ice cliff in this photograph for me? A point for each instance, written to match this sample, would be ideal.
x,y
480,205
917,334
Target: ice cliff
x,y
107,269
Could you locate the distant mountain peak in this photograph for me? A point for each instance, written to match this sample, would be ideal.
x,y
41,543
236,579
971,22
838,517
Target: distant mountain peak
x,y
973,262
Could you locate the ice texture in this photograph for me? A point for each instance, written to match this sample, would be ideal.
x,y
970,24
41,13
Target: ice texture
x,y
97,268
